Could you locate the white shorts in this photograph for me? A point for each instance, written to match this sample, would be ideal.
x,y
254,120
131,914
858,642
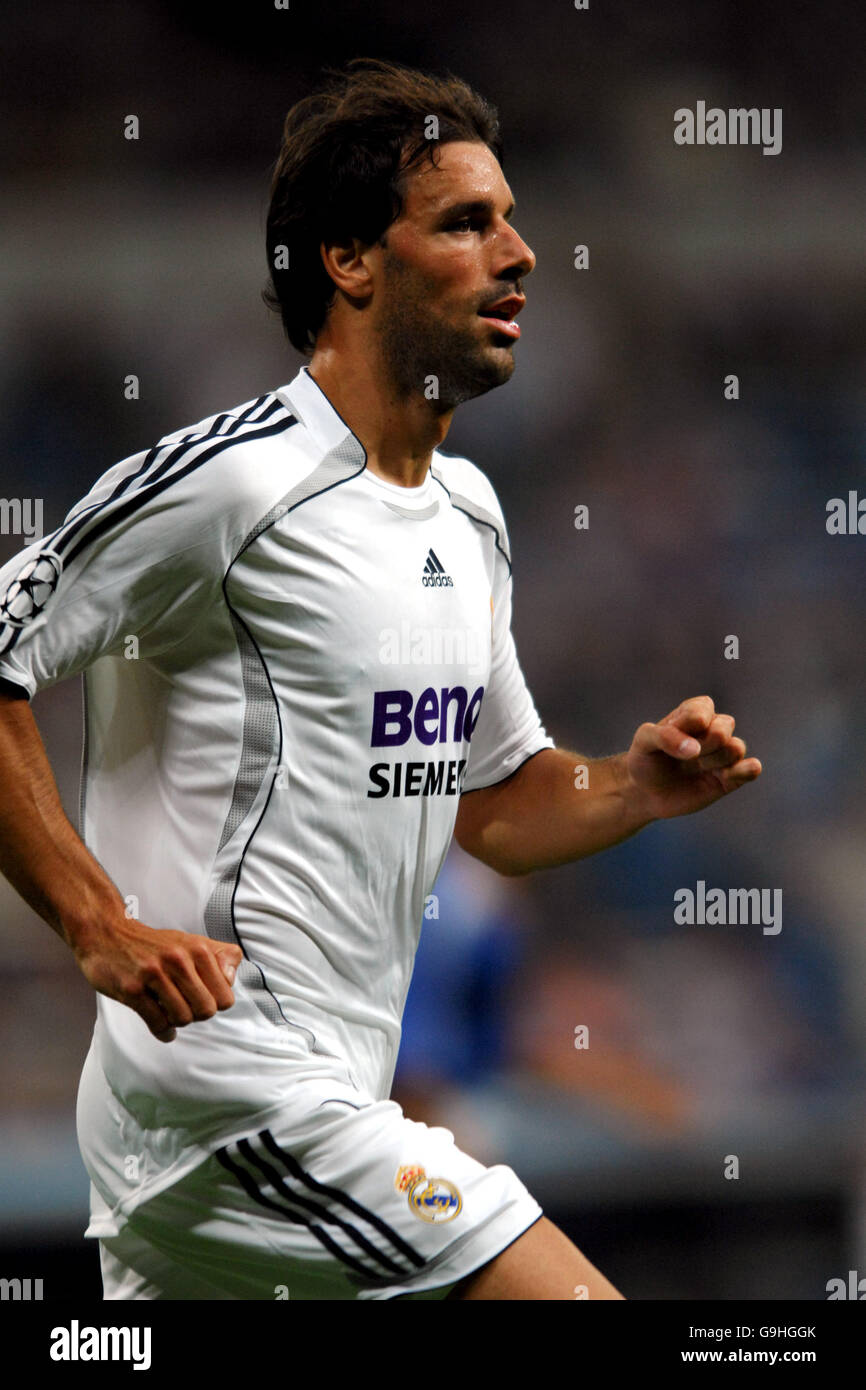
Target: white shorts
x,y
343,1198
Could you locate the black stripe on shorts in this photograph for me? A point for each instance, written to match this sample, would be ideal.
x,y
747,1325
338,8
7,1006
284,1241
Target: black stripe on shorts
x,y
250,1186
294,1168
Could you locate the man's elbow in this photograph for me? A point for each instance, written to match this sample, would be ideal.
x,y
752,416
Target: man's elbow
x,y
496,857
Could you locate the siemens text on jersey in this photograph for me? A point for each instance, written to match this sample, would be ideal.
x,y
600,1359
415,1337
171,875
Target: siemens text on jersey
x,y
397,715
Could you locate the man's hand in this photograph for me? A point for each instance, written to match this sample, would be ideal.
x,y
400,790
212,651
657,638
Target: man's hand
x,y
687,761
170,978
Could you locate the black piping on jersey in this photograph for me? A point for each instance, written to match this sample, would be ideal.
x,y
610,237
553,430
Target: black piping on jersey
x,y
251,1187
474,512
516,768
220,926
280,1186
308,374
241,420
85,751
294,1168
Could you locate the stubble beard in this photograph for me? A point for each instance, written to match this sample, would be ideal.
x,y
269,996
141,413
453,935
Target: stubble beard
x,y
415,346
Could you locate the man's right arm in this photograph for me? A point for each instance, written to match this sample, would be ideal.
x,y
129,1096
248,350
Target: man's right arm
x,y
170,978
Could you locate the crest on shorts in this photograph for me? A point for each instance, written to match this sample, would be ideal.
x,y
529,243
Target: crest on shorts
x,y
407,1175
431,1199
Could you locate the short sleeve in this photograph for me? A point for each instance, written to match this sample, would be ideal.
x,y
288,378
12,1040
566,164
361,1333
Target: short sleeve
x,y
509,729
133,559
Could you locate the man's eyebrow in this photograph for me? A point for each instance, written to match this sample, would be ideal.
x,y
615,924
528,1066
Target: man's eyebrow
x,y
472,207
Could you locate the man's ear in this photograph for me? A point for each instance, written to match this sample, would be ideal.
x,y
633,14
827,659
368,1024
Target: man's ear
x,y
348,265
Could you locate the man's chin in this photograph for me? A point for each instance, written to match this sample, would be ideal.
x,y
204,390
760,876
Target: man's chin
x,y
484,374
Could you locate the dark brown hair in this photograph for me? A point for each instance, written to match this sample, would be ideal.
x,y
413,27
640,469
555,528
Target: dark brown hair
x,y
345,150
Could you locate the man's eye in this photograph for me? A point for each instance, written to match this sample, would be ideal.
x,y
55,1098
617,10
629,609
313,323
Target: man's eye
x,y
463,224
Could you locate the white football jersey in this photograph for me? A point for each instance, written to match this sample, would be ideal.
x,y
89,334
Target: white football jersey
x,y
292,669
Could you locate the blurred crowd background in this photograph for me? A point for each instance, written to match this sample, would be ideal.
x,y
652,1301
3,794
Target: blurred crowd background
x,y
706,519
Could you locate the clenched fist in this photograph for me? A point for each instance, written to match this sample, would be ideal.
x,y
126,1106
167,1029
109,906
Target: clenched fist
x,y
170,978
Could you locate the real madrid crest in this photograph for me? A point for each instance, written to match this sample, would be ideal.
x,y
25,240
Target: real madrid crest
x,y
431,1199
406,1175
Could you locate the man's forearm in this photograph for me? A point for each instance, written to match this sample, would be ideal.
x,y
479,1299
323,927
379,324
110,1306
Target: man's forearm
x,y
170,978
558,807
41,854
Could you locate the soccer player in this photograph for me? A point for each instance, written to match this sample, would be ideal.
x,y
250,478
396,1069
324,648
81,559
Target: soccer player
x,y
293,621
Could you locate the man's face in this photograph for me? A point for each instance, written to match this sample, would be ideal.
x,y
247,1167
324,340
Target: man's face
x,y
449,257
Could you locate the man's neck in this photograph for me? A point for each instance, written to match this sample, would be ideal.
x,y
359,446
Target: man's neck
x,y
398,434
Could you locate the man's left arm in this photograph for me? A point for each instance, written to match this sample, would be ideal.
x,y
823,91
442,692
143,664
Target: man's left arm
x,y
544,815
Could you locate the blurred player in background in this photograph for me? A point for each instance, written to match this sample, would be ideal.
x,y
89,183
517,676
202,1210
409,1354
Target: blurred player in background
x,y
294,624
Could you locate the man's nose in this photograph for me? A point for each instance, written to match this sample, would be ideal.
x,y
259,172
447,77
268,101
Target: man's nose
x,y
520,258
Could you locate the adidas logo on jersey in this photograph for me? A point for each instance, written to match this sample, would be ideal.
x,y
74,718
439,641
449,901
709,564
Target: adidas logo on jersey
x,y
434,576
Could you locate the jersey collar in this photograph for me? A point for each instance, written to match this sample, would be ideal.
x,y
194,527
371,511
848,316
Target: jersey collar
x,y
306,399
